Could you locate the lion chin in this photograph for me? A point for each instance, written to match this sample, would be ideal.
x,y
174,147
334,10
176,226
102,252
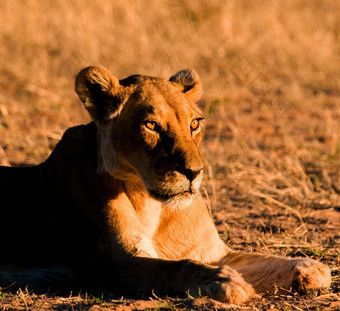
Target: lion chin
x,y
180,201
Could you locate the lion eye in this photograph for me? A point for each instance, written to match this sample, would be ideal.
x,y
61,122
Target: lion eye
x,y
151,125
194,125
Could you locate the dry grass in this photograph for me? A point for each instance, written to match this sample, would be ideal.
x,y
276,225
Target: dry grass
x,y
271,71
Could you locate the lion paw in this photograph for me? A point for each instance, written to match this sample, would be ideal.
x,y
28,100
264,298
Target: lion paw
x,y
229,286
311,275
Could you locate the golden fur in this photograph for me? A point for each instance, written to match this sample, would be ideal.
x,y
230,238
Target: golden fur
x,y
117,203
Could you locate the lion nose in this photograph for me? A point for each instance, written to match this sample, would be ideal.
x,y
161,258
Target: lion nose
x,y
191,174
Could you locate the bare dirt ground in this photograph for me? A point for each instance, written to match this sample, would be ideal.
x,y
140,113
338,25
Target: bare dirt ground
x,y
271,72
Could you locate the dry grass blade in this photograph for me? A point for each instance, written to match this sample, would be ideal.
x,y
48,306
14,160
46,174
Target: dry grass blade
x,y
272,200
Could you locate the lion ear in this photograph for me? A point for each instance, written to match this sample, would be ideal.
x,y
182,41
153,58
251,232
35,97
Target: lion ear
x,y
100,92
189,82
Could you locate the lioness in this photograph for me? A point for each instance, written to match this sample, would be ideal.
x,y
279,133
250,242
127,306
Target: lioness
x,y
117,203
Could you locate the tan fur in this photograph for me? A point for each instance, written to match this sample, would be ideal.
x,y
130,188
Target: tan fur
x,y
117,203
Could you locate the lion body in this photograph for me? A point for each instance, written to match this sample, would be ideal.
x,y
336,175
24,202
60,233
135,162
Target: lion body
x,y
117,202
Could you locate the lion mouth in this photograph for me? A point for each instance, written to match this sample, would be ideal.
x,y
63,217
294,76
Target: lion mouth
x,y
162,196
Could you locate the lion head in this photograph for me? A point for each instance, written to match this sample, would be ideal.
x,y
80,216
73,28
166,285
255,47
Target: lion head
x,y
149,129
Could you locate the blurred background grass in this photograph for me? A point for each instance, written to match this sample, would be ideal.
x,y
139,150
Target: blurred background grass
x,y
283,53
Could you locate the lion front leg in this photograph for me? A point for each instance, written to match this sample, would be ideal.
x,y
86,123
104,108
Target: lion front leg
x,y
168,277
268,273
